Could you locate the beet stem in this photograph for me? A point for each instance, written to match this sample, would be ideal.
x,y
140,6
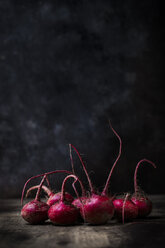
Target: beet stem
x,y
123,208
104,192
73,170
37,198
48,183
85,170
63,186
47,173
81,185
71,158
46,189
75,190
49,192
136,170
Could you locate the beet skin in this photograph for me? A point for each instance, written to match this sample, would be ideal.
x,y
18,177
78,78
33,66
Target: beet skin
x,y
35,212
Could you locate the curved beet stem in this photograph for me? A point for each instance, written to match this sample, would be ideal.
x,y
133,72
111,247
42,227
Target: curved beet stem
x,y
37,198
104,192
75,190
81,185
63,187
85,170
136,170
123,208
48,173
46,190
49,192
73,170
77,194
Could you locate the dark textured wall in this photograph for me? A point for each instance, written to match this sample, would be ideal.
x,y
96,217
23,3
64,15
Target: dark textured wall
x,y
65,68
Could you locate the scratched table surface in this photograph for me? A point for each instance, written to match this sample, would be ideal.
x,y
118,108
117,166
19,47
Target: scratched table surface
x,y
15,232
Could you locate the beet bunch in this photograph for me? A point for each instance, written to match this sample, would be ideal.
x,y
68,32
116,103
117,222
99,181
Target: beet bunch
x,y
91,207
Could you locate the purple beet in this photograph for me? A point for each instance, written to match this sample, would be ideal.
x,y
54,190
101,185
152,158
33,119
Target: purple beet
x,y
125,209
97,209
63,212
36,211
143,203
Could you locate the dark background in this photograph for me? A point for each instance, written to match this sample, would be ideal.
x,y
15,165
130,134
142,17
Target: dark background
x,y
65,68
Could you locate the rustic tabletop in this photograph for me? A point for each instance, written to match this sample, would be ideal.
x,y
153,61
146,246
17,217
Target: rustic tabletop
x,y
15,232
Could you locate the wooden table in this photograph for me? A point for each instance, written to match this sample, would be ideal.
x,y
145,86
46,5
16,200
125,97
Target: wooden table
x,y
15,232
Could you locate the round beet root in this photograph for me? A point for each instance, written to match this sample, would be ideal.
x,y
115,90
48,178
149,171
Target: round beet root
x,y
35,212
97,210
130,210
144,206
139,198
63,213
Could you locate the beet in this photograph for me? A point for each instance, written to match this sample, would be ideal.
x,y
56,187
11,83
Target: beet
x,y
139,198
36,211
49,192
144,205
63,212
97,209
125,209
